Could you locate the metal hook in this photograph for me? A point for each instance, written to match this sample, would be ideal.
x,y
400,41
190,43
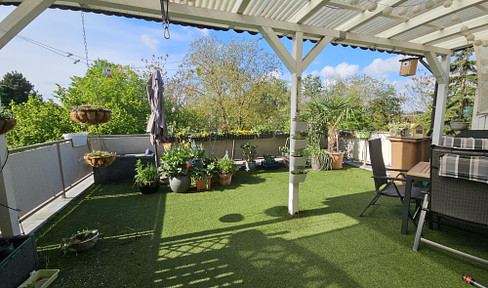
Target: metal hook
x,y
167,35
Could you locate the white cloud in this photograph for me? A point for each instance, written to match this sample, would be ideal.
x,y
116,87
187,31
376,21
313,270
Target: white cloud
x,y
150,41
380,67
343,70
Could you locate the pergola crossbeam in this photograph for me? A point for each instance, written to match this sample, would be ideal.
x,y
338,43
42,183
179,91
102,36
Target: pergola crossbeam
x,y
427,17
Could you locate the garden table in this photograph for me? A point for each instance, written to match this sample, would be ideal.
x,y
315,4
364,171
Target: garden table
x,y
419,172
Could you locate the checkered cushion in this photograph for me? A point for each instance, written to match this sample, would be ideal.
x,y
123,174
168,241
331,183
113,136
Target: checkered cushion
x,y
465,143
474,168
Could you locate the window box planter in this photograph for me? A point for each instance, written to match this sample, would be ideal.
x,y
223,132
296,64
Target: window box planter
x,y
297,144
41,278
362,134
78,139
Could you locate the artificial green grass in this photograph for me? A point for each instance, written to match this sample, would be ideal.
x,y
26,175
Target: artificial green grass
x,y
243,236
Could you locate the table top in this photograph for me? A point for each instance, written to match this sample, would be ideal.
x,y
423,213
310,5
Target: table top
x,y
422,169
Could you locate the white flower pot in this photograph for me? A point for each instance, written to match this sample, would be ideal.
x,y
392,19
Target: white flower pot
x,y
297,178
298,126
78,139
297,144
298,161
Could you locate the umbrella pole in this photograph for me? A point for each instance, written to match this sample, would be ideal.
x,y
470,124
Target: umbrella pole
x,y
156,154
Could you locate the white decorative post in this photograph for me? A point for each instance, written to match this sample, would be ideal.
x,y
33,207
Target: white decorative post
x,y
9,218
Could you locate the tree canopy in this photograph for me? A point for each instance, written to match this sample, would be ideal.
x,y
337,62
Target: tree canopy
x,y
15,87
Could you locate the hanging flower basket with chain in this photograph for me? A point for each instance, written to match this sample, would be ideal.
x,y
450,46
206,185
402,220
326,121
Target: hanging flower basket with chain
x,y
99,159
90,114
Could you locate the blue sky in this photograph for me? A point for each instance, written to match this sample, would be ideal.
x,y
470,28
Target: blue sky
x,y
125,41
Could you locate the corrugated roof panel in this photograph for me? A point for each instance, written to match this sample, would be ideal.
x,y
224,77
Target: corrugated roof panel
x,y
464,15
376,25
414,33
291,11
328,16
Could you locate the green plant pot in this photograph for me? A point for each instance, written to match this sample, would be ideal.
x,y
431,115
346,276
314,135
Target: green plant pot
x,y
297,144
298,161
41,278
180,184
459,126
299,126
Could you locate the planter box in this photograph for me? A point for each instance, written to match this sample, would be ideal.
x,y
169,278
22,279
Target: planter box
x,y
297,144
78,139
298,126
297,161
16,267
297,178
48,276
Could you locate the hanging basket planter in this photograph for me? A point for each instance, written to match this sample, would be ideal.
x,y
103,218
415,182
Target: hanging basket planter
x,y
99,159
90,114
6,124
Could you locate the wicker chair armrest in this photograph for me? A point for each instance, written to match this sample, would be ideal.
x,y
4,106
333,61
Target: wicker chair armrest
x,y
389,178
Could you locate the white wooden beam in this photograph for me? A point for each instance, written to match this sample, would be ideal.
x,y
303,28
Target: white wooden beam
x,y
240,6
366,16
308,10
190,15
440,69
279,48
427,17
312,54
27,11
452,30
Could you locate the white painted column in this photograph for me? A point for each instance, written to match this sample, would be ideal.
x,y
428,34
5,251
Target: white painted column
x,y
480,108
441,73
27,11
296,86
9,221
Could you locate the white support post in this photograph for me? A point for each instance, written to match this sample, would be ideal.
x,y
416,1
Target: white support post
x,y
296,87
441,73
9,218
27,11
295,63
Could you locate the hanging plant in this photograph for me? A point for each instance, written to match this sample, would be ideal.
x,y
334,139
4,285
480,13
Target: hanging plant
x,y
90,114
99,159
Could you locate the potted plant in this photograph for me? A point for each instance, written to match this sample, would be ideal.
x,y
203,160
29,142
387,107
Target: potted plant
x,y
264,131
298,175
459,124
321,159
201,178
249,152
7,121
197,153
41,278
81,241
226,168
99,159
90,114
269,162
176,163
298,141
147,177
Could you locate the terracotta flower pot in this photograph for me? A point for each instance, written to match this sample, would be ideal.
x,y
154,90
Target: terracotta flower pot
x,y
201,184
225,179
338,157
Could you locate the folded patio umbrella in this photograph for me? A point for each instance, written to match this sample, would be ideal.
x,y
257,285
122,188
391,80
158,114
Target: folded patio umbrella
x,y
156,125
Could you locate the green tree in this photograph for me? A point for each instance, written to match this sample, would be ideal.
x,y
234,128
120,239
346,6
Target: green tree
x,y
311,87
38,122
15,87
385,108
220,81
463,82
124,93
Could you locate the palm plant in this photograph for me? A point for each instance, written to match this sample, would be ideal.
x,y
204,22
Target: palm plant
x,y
325,113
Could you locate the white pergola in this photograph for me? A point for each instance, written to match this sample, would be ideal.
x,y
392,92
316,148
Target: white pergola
x,y
433,29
